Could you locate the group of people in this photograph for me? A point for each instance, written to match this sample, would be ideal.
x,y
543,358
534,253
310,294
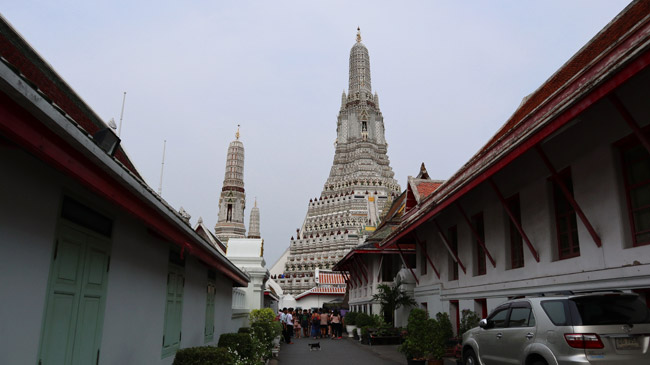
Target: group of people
x,y
321,323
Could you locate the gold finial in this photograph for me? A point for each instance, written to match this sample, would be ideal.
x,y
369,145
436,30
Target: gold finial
x,y
358,35
255,202
237,134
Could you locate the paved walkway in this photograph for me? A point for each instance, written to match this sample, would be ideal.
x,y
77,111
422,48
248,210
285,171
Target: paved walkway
x,y
337,352
340,352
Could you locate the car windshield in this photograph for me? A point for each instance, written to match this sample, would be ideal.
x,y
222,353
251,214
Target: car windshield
x,y
611,309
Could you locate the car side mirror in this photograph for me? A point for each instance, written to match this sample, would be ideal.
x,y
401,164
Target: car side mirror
x,y
483,323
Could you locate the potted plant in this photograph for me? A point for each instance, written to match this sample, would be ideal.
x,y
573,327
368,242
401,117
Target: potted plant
x,y
350,323
442,333
419,337
391,298
362,320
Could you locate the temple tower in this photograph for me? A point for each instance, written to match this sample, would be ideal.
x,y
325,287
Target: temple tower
x,y
232,202
254,223
359,185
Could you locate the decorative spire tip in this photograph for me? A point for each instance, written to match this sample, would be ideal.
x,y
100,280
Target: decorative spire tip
x,y
358,35
237,134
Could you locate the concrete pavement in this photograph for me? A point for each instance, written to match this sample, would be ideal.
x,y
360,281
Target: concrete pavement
x,y
339,352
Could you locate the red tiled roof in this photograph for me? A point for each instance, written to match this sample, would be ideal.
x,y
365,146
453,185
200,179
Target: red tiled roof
x,y
322,291
330,278
561,97
425,188
592,51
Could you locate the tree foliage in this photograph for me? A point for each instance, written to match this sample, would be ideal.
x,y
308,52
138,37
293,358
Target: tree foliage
x,y
391,298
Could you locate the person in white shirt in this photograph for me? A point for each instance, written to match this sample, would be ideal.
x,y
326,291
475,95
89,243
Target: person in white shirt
x,y
288,323
283,320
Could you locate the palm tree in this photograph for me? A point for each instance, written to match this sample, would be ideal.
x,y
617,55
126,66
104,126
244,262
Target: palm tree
x,y
391,297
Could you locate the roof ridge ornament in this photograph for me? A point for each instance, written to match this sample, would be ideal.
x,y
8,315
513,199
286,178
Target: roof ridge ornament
x,y
358,35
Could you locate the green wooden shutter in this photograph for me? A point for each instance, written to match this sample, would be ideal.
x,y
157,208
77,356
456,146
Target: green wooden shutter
x,y
74,311
209,311
91,305
173,310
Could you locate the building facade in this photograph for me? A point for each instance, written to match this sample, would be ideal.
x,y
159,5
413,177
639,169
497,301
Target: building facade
x,y
359,185
97,267
557,198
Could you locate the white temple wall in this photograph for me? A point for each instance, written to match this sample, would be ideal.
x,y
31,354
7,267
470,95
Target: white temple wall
x,y
587,147
136,287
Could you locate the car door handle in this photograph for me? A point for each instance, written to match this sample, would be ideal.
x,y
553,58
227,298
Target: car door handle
x,y
530,335
499,335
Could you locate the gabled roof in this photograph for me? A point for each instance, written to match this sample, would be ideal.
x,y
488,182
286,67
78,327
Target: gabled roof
x,y
614,55
204,232
329,278
322,291
420,187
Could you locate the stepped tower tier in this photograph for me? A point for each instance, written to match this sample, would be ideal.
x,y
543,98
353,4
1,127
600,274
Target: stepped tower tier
x,y
254,223
359,186
232,201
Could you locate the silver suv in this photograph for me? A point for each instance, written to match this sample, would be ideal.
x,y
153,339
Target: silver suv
x,y
563,328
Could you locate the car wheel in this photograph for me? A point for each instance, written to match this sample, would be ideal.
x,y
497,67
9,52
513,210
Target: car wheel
x,y
539,362
469,358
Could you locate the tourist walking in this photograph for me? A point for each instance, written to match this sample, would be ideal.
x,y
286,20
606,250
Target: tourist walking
x,y
324,322
336,325
289,326
315,324
304,323
283,320
296,325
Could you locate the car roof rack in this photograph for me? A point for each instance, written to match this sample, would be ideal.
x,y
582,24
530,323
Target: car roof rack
x,y
564,293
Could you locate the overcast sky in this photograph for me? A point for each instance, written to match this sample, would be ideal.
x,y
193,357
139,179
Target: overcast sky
x,y
448,75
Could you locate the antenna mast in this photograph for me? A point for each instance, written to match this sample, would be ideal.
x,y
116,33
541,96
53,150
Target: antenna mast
x,y
162,168
119,131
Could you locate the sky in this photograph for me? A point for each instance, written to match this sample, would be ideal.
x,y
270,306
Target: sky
x,y
448,75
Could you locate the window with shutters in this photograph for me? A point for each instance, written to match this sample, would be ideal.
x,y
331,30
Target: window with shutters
x,y
566,223
636,174
209,307
172,334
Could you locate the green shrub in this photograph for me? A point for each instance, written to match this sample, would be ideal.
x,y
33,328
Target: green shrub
x,y
350,318
245,330
468,320
365,334
363,320
419,337
444,328
262,315
205,355
377,320
240,342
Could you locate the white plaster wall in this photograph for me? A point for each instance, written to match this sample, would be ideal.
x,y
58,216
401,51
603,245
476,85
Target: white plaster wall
x,y
136,297
30,205
597,183
224,322
135,301
194,303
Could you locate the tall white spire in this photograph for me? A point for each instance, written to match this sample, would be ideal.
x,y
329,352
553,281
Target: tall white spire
x,y
358,189
254,222
232,201
359,68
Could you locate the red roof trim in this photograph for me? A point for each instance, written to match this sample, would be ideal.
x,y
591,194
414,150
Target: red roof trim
x,y
24,129
470,182
16,57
